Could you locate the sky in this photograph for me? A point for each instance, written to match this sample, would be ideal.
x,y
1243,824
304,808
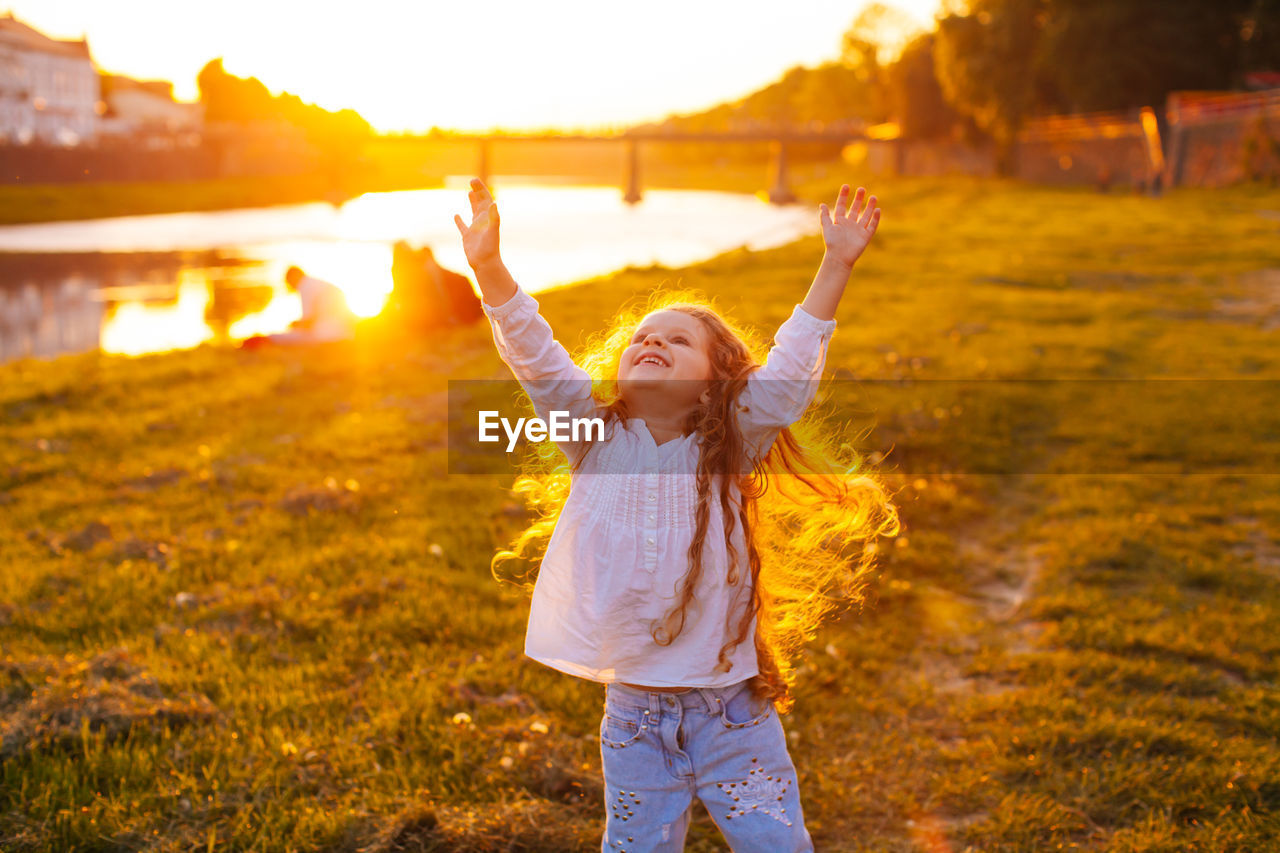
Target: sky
x,y
514,64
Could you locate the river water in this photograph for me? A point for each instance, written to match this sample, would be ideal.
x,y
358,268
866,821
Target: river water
x,y
142,284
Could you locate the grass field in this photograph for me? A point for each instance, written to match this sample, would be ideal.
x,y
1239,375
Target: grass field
x,y
243,606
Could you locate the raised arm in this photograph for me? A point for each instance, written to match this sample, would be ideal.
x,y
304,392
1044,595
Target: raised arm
x,y
846,237
778,394
480,242
523,337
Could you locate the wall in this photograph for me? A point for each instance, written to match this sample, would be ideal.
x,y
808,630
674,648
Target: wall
x,y
1206,139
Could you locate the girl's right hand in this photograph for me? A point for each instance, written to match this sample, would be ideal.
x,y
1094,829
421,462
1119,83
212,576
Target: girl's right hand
x,y
480,241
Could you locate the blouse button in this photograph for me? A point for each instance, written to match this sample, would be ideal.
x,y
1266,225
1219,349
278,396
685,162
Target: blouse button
x,y
653,516
649,542
652,498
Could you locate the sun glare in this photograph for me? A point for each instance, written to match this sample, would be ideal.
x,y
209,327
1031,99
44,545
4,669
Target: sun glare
x,y
361,270
135,328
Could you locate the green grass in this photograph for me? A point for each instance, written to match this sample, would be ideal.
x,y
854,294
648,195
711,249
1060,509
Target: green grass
x,y
224,623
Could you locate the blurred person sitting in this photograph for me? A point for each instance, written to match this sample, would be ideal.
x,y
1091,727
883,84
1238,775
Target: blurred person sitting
x,y
325,314
428,296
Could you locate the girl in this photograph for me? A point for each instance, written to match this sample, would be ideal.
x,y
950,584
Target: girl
x,y
690,616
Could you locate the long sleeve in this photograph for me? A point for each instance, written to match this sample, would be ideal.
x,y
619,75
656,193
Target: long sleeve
x,y
778,394
540,363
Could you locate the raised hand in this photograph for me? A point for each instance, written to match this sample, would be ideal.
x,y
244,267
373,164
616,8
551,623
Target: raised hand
x,y
847,234
480,240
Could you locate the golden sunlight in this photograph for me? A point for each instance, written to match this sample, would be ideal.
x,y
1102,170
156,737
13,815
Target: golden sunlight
x,y
135,328
577,65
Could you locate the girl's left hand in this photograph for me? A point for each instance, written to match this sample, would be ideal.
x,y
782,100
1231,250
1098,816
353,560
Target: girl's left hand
x,y
847,235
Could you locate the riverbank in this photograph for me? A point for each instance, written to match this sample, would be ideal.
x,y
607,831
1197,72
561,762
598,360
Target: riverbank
x,y
60,202
243,603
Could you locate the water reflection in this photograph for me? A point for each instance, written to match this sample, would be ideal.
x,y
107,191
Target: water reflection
x,y
143,284
129,303
230,300
47,319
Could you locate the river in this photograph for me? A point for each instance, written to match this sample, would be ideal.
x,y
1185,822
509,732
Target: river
x,y
142,284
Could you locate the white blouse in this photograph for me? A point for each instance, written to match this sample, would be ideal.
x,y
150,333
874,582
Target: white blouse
x,y
620,548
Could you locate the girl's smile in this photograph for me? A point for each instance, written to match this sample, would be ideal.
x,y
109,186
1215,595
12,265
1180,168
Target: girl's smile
x,y
666,345
651,358
664,372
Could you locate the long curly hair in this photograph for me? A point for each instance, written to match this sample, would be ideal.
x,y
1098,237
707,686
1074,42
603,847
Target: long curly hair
x,y
810,509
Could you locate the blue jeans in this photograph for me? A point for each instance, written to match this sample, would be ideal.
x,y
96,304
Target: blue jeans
x,y
660,750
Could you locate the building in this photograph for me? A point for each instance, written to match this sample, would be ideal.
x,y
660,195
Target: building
x,y
146,108
49,90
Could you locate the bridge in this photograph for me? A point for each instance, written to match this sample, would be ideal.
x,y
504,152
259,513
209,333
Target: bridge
x,y
779,192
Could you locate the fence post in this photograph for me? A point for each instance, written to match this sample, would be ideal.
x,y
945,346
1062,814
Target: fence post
x,y
1155,154
482,166
779,192
1177,140
632,193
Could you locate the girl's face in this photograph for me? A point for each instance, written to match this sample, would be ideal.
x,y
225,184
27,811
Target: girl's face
x,y
667,345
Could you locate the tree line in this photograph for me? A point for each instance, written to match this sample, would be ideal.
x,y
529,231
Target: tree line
x,y
246,100
991,65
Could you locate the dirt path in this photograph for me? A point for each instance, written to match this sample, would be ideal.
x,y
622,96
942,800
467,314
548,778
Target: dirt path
x,y
1000,559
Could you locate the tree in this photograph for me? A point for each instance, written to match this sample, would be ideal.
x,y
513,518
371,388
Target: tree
x,y
875,37
916,100
989,66
833,93
1260,37
1129,53
878,35
240,99
1004,60
229,98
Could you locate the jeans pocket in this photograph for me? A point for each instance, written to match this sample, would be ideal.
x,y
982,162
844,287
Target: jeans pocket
x,y
740,710
620,727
